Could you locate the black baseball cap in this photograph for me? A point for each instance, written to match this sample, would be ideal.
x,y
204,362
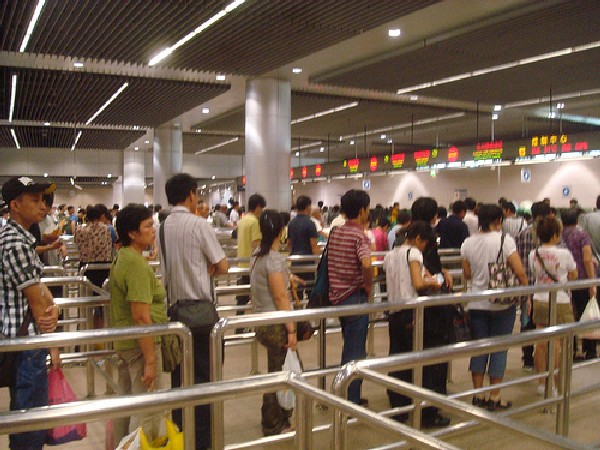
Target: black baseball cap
x,y
19,185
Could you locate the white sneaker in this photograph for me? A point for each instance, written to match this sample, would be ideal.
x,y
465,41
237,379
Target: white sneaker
x,y
541,389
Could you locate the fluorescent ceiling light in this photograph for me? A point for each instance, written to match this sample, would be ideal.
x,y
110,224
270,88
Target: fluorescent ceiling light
x,y
324,113
497,108
297,70
213,177
146,142
383,136
109,175
108,102
560,105
500,67
494,116
394,32
45,174
205,110
136,148
297,153
188,37
309,145
537,101
76,140
414,98
351,142
47,124
220,77
221,144
32,22
79,65
14,136
13,96
322,149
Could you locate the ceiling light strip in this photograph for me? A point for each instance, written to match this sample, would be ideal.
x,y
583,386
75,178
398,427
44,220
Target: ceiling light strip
x,y
325,113
500,67
76,140
14,136
188,37
537,101
108,102
221,144
309,145
13,96
32,23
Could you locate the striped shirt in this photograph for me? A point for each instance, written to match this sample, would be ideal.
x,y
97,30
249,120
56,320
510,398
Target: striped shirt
x,y
191,246
348,244
513,225
21,268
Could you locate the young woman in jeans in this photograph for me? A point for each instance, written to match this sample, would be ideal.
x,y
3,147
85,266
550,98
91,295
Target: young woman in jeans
x,y
489,319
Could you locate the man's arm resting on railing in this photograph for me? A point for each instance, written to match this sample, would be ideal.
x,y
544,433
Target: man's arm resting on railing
x,y
41,302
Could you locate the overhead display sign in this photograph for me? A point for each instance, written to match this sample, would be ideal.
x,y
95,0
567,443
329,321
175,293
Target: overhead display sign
x,y
422,157
488,150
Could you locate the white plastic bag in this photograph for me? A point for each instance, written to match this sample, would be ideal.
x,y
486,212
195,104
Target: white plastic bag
x,y
133,441
286,397
592,312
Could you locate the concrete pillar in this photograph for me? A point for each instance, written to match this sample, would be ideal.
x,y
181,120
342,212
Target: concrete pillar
x,y
134,174
168,159
117,192
268,141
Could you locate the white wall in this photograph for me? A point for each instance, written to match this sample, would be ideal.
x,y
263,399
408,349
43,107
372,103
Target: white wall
x,y
91,196
547,180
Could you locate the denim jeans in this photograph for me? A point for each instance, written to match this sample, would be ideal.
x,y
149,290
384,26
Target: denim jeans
x,y
489,324
30,391
354,332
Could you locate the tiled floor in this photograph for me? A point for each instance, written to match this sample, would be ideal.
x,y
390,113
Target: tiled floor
x,y
242,416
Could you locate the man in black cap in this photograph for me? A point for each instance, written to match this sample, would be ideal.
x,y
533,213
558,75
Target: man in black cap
x,y
25,299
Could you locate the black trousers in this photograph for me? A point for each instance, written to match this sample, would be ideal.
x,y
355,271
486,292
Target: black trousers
x,y
580,299
434,376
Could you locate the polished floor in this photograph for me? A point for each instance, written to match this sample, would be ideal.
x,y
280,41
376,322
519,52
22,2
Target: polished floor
x,y
242,416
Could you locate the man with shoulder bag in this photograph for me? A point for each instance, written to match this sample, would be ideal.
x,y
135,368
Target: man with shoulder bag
x,y
190,254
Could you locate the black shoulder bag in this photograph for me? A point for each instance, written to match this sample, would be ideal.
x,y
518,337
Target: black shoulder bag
x,y
8,371
319,296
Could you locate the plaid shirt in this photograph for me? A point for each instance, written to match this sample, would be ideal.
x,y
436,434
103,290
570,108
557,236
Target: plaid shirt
x,y
21,268
526,241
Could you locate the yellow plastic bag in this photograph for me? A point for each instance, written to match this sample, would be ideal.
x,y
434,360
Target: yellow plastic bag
x,y
172,441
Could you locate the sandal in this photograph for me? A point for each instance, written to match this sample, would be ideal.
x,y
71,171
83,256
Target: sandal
x,y
479,402
498,405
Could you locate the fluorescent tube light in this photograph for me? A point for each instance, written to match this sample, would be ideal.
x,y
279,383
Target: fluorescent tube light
x,y
76,140
188,37
220,77
32,22
394,32
79,65
108,102
221,144
500,67
14,136
13,96
309,145
324,113
205,110
297,70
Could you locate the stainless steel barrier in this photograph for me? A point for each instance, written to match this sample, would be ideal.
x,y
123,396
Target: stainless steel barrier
x,y
418,306
108,335
369,370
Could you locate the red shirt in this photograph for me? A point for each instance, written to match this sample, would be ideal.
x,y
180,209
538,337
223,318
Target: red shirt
x,y
348,244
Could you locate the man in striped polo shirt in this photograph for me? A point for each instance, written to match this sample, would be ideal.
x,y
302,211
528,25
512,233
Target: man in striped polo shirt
x,y
350,277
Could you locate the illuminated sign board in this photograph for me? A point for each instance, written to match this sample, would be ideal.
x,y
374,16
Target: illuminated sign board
x,y
352,164
422,157
553,144
452,154
291,174
398,160
373,164
488,150
244,180
318,170
304,171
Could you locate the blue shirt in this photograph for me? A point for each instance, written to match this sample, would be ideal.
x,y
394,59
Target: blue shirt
x,y
300,230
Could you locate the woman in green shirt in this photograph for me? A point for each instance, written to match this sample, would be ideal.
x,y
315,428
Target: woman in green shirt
x,y
137,298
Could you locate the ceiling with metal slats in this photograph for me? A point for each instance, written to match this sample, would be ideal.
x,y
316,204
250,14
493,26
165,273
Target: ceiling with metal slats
x,y
342,47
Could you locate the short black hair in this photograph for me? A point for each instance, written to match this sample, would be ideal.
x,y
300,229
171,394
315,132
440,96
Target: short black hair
x,y
510,206
320,203
48,199
540,210
459,206
179,186
129,219
353,201
442,212
547,228
303,202
71,208
488,214
471,203
103,210
403,217
271,223
255,201
383,222
424,208
157,208
93,213
421,229
569,216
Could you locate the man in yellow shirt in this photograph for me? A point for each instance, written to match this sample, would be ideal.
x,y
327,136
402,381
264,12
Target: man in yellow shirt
x,y
248,238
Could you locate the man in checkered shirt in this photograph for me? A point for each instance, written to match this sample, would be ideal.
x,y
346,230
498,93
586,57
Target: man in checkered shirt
x,y
21,291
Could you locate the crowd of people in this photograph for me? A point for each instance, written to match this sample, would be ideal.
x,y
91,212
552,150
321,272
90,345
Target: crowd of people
x,y
540,249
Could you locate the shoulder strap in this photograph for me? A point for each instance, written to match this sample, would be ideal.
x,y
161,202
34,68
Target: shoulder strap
x,y
407,255
498,257
539,257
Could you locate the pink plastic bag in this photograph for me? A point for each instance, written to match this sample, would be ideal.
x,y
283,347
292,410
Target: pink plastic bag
x,y
59,391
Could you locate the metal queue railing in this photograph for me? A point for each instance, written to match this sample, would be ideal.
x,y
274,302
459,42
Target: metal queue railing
x,y
90,337
321,315
370,370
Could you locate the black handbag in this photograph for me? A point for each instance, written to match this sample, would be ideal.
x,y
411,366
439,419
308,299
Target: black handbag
x,y
319,296
8,371
461,325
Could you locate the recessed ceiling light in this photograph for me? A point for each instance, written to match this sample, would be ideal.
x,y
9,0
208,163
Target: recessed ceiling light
x,y
389,141
47,124
494,116
45,174
414,98
220,77
560,105
213,177
136,148
78,64
72,180
341,138
198,130
146,142
394,32
497,108
351,142
297,153
109,175
297,70
322,149
205,110
383,136
188,37
32,22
